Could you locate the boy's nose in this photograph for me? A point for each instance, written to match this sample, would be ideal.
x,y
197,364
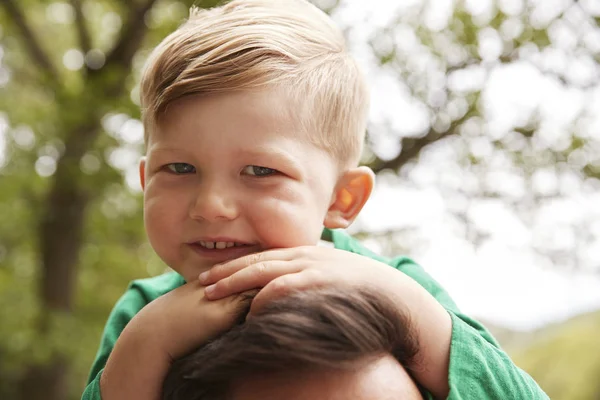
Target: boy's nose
x,y
212,204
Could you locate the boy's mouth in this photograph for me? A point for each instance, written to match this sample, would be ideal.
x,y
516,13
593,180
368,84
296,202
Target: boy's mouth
x,y
220,245
223,250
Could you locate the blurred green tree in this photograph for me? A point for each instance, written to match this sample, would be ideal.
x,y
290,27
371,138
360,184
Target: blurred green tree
x,y
71,235
510,88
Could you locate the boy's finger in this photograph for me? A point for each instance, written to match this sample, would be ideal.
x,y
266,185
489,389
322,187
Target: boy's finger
x,y
222,271
255,276
283,286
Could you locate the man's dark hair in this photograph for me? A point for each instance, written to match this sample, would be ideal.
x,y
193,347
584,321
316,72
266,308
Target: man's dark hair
x,y
332,329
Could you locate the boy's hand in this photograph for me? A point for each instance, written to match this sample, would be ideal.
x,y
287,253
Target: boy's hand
x,y
166,329
184,318
281,271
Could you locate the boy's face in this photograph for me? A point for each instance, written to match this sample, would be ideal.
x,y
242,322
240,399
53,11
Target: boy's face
x,y
236,171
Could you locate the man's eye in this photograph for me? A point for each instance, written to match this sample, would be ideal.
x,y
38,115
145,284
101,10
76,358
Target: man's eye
x,y
255,170
181,168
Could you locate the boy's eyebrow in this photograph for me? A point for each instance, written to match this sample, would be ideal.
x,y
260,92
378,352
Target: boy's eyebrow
x,y
272,152
262,151
165,149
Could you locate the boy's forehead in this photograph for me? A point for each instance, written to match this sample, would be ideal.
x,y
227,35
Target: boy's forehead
x,y
266,106
252,114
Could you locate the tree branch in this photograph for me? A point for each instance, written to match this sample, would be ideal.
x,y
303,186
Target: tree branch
x,y
411,147
31,43
131,37
84,36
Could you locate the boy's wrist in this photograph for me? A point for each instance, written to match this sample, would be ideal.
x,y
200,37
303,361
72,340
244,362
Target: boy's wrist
x,y
152,329
136,367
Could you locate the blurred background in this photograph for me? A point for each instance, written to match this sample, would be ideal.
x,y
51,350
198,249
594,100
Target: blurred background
x,y
484,133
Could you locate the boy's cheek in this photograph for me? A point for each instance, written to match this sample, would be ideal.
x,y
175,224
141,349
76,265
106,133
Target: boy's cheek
x,y
161,218
283,224
161,236
157,229
155,182
160,192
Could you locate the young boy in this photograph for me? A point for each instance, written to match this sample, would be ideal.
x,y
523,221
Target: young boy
x,y
255,117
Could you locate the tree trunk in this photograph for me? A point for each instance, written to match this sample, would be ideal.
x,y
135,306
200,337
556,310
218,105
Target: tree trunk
x,y
62,222
45,381
60,240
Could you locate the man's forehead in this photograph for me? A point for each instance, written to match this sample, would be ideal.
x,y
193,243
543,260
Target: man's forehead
x,y
381,378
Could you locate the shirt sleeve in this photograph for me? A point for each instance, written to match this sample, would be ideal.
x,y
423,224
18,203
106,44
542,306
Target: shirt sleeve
x,y
479,368
124,310
92,390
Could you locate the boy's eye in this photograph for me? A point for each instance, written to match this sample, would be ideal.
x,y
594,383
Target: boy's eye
x,y
181,168
255,170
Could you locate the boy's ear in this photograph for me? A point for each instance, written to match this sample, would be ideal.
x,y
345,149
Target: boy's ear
x,y
143,172
351,193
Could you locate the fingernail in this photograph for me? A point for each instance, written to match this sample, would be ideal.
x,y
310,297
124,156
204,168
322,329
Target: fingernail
x,y
209,290
203,276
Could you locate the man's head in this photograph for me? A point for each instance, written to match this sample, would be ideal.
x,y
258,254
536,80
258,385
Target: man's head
x,y
320,344
255,117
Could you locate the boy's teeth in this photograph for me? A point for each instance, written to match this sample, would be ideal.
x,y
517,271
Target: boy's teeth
x,y
218,245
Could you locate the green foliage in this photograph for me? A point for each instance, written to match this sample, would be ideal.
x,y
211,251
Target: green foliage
x,y
564,359
41,112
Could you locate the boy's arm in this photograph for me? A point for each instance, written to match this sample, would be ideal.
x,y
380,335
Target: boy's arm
x,y
141,357
124,310
146,342
478,368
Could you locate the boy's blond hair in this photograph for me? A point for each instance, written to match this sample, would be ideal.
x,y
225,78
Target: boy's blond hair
x,y
288,45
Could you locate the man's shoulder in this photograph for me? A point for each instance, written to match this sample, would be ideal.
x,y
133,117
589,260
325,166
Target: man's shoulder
x,y
343,241
404,264
156,286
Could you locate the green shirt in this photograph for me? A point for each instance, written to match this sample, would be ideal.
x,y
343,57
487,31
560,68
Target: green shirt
x,y
479,369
